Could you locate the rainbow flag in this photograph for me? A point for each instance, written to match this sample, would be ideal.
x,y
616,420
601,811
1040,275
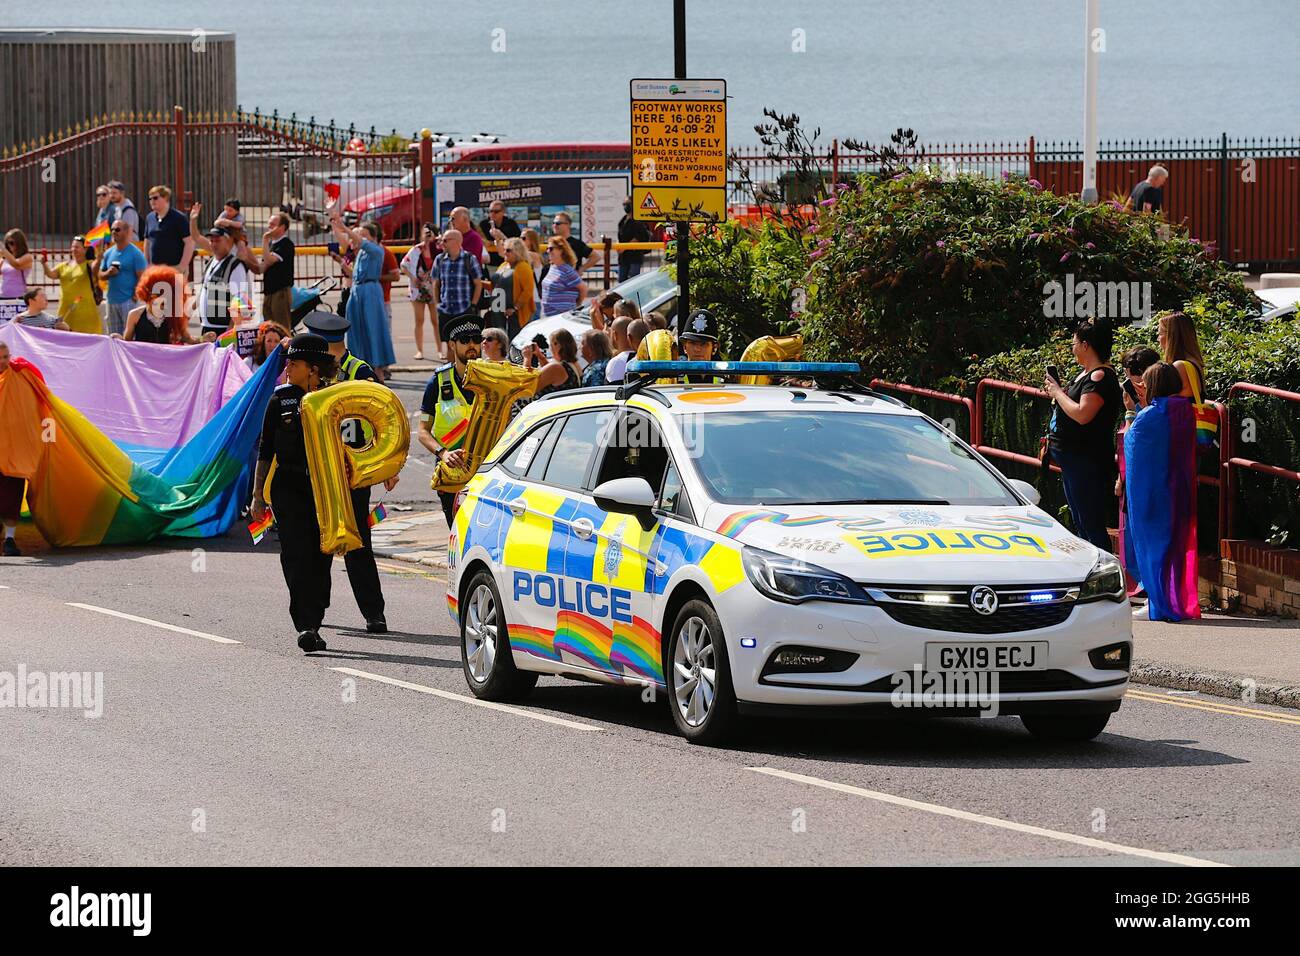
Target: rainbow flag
x,y
98,234
101,482
377,514
258,529
228,337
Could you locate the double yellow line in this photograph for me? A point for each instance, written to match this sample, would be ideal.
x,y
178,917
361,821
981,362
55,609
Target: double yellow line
x,y
1232,710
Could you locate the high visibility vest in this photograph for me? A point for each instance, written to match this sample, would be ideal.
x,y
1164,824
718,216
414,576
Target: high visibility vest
x,y
451,412
349,366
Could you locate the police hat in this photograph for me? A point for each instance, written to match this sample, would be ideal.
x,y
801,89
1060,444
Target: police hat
x,y
462,326
328,325
701,326
308,346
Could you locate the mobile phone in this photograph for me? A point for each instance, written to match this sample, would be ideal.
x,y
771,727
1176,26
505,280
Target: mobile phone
x,y
1132,391
1054,374
332,248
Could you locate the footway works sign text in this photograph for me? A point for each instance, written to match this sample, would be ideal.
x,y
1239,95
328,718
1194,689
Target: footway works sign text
x,y
679,149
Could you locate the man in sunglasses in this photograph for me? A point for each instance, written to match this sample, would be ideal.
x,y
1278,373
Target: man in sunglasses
x,y
444,411
121,266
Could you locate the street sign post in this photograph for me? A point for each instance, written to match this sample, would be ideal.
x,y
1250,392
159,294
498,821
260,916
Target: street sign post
x,y
679,150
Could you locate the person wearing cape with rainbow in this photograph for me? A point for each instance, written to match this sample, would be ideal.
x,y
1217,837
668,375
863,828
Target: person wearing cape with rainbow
x,y
1160,488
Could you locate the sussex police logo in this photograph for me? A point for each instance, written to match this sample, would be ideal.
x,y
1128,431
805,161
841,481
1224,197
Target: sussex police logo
x,y
614,553
700,324
917,517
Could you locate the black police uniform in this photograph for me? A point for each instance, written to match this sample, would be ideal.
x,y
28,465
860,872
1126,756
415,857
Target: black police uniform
x,y
701,326
306,569
363,574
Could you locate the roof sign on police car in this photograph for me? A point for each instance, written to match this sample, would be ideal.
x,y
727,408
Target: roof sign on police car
x,y
679,149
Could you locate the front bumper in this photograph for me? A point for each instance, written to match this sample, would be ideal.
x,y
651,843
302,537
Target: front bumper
x,y
884,649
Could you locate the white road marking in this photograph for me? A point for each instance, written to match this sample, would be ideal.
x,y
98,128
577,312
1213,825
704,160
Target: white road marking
x,y
1175,858
462,698
145,620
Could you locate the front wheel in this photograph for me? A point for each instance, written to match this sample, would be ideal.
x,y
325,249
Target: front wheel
x,y
485,645
1065,728
699,676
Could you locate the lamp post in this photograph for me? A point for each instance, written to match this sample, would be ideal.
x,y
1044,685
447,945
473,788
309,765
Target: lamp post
x,y
1089,194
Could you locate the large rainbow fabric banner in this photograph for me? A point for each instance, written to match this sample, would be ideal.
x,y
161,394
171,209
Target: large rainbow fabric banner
x,y
126,444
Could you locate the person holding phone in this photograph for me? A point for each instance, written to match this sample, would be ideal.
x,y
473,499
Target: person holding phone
x,y
1081,434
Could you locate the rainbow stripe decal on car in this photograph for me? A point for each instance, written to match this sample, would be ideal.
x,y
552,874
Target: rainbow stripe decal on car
x,y
736,523
629,652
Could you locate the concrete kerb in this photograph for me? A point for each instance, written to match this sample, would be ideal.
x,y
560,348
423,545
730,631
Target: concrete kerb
x,y
411,558
1214,683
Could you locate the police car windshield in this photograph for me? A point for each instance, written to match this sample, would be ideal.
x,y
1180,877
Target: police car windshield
x,y
835,457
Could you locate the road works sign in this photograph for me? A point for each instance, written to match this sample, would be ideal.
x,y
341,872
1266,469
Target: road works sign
x,y
679,149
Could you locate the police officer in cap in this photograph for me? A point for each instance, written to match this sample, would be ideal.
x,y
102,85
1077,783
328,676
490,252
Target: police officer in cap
x,y
363,575
698,341
444,411
308,366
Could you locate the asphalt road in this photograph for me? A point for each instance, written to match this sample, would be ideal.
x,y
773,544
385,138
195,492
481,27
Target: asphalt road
x,y
219,753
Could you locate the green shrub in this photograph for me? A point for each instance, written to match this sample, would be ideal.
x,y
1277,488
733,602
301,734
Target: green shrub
x,y
918,276
749,277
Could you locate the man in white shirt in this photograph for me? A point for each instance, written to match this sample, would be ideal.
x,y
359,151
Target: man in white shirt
x,y
624,350
224,277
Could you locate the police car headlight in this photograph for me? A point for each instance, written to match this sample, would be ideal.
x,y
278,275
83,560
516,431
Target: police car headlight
x,y
1105,581
793,581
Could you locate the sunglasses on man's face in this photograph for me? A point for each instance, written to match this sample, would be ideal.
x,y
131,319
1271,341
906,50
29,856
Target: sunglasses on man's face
x,y
470,339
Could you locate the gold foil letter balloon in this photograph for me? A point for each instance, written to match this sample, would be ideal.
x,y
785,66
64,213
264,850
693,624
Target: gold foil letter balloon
x,y
336,468
771,348
496,386
658,346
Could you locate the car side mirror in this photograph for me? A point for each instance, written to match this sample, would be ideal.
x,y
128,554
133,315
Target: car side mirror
x,y
629,496
1025,490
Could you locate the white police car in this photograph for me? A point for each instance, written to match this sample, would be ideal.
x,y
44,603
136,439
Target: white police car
x,y
752,548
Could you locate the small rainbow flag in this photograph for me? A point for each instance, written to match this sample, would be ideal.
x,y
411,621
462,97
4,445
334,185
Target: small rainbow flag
x,y
98,234
228,337
258,529
377,514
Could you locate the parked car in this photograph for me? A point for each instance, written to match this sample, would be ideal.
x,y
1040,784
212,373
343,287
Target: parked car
x,y
1278,303
351,188
654,289
392,206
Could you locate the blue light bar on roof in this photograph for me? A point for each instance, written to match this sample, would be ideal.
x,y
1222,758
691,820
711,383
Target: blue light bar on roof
x,y
743,368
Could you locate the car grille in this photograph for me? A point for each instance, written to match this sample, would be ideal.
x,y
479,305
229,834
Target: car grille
x,y
948,609
960,619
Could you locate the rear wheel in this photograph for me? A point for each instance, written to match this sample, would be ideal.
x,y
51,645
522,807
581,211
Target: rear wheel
x,y
1074,728
485,645
699,676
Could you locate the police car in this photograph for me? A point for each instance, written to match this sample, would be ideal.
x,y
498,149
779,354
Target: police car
x,y
749,549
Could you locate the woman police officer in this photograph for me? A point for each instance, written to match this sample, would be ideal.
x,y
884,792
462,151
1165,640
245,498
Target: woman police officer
x,y
308,366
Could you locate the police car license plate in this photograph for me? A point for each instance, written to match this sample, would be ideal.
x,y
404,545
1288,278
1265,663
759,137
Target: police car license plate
x,y
1020,656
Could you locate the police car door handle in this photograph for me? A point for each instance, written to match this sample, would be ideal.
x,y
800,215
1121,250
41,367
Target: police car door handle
x,y
583,528
517,506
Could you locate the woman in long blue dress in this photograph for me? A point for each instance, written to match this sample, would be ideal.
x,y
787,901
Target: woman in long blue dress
x,y
370,338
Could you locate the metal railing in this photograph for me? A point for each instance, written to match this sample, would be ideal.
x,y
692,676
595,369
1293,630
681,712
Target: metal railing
x,y
879,384
1231,462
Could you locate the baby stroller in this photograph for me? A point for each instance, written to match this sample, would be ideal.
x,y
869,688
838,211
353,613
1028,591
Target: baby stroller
x,y
305,299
